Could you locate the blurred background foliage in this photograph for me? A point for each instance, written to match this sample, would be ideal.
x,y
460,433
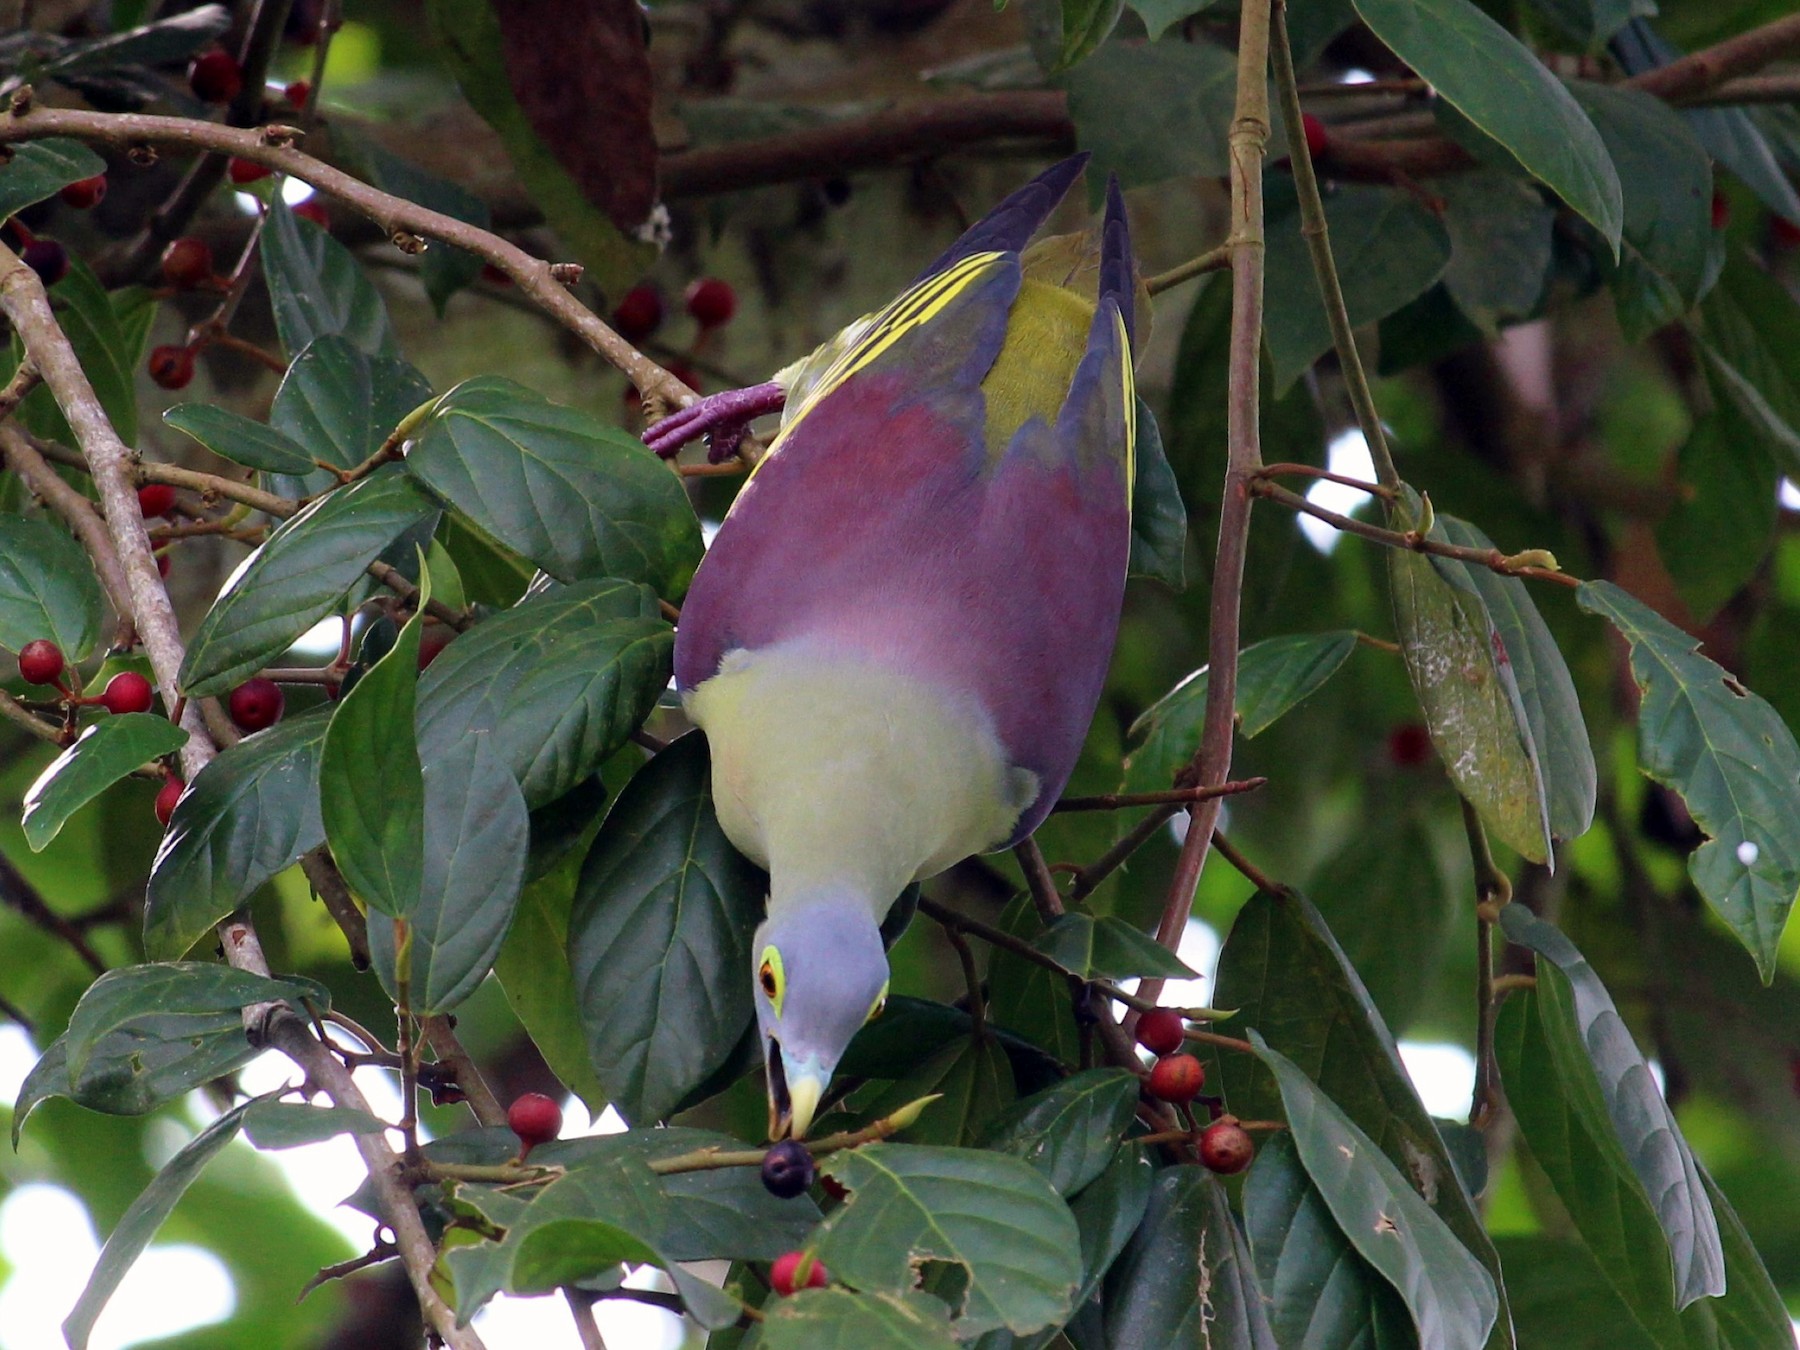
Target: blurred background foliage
x,y
1555,431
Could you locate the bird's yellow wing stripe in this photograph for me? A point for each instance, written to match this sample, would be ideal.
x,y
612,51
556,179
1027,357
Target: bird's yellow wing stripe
x,y
912,308
1128,378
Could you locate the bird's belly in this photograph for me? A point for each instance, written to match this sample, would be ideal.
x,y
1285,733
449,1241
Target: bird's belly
x,y
832,769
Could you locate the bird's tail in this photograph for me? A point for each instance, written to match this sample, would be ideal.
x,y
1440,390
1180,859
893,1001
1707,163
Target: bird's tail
x,y
1010,225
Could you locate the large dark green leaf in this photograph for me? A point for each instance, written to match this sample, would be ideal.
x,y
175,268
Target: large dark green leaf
x,y
561,680
1273,676
371,784
1667,182
1085,25
578,497
1593,1063
1499,230
106,752
298,577
1320,1293
1565,760
47,588
1185,1279
250,813
1071,1131
1286,974
1487,75
1721,520
476,835
40,169
1158,518
240,439
443,269
132,1235
1732,759
317,288
972,1080
1740,323
1027,997
273,1124
1107,948
167,40
1156,112
1451,1296
995,1216
1388,247
338,403
1468,693
1160,15
659,937
838,1319
533,969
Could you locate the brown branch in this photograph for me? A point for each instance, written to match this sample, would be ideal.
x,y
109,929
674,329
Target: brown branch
x,y
23,381
26,720
1088,879
920,128
20,896
1038,878
581,1308
1119,801
109,460
395,215
1247,869
1698,72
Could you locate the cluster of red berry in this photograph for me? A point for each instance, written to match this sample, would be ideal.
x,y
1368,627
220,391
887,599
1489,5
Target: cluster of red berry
x,y
1225,1146
710,302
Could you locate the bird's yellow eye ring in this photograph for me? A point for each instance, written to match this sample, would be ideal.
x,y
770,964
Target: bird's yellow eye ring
x,y
879,1005
770,976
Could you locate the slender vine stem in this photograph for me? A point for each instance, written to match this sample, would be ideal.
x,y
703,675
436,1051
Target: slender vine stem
x,y
1493,891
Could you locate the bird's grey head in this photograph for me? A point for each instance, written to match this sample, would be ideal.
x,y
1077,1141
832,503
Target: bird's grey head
x,y
820,973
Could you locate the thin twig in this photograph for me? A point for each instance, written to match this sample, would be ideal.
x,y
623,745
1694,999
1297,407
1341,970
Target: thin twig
x,y
26,720
1037,877
581,1308
1088,879
1213,260
1492,892
1118,801
972,980
1249,870
20,896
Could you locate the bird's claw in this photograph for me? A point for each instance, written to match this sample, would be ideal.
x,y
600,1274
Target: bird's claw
x,y
723,418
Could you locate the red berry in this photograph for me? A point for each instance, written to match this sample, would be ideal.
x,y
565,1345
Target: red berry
x,y
46,257
1160,1031
1409,745
166,799
711,301
536,1119
1318,139
1721,211
40,662
84,192
245,170
187,262
1784,232
787,1266
258,703
1177,1078
126,692
314,210
297,93
640,313
172,367
215,76
433,640
1225,1147
156,499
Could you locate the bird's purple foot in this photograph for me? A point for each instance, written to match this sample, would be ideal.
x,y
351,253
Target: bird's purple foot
x,y
722,417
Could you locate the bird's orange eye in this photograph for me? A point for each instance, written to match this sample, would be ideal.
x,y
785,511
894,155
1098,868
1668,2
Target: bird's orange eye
x,y
769,976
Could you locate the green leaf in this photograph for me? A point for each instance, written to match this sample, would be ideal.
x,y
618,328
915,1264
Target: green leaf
x,y
1085,25
239,439
1565,760
1108,948
1070,1131
249,814
1754,370
995,1216
106,752
1491,78
1185,1279
1721,521
1389,249
40,169
1732,759
1108,1211
533,969
153,44
907,1033
1321,1293
1592,22
476,834
1450,1294
371,786
1500,256
1273,676
298,577
1667,182
1284,972
839,1319
443,269
973,1080
108,358
576,496
338,404
1160,15
1153,113
317,288
138,1067
1470,698
47,588
132,1236
560,680
1158,518
659,937
1025,997
1603,1082
273,1124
